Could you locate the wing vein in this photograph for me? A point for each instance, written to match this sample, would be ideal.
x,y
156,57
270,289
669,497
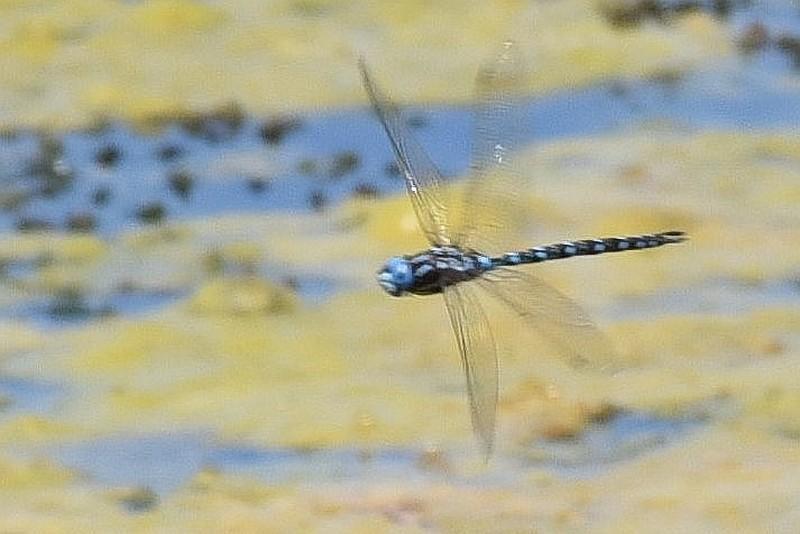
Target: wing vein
x,y
479,358
422,177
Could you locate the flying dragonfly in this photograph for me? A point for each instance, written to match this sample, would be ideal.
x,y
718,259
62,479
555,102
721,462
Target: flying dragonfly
x,y
466,251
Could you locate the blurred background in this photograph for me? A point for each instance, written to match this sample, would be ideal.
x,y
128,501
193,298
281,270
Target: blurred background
x,y
194,199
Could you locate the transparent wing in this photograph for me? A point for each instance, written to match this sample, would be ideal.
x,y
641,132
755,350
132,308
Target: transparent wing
x,y
479,357
558,320
421,175
493,203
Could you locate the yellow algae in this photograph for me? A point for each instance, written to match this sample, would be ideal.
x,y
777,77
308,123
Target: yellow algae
x,y
122,349
61,262
456,508
391,222
241,296
242,488
698,183
61,278
674,339
150,239
174,371
139,61
777,147
169,18
58,247
748,486
240,504
245,256
35,42
29,429
18,338
61,510
777,410
21,475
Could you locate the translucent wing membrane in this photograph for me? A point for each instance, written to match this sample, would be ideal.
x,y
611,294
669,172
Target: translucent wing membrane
x,y
479,357
421,175
494,197
558,320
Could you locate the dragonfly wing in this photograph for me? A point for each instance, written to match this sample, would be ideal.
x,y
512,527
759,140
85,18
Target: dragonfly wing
x,y
493,203
556,318
479,358
421,175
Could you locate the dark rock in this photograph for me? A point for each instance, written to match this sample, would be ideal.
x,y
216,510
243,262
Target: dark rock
x,y
81,222
108,156
169,152
274,130
317,200
344,163
181,183
364,190
101,196
152,213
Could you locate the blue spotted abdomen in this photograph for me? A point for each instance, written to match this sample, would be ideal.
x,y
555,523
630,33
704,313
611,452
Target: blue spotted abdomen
x,y
587,247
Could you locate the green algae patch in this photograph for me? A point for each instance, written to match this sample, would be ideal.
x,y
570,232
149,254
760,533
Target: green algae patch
x,y
71,62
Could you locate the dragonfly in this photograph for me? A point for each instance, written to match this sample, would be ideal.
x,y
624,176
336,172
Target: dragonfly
x,y
465,259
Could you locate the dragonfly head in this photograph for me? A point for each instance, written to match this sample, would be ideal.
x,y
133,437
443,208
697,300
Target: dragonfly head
x,y
396,276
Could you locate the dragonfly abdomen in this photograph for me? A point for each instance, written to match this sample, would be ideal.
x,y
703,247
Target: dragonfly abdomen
x,y
587,247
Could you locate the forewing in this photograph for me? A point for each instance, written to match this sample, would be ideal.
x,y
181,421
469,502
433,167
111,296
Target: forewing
x,y
556,318
494,197
421,175
479,358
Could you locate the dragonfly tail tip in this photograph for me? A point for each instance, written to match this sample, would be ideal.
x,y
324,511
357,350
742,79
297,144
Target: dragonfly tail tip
x,y
675,236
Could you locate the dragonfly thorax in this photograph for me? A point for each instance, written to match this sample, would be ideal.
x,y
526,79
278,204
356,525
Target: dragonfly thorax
x,y
430,271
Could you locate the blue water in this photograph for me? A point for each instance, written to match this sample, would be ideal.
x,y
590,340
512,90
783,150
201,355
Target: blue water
x,y
165,462
745,98
28,396
162,463
627,435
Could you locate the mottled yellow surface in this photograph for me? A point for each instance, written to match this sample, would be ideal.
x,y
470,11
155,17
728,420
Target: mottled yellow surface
x,y
708,330
242,358
706,485
80,60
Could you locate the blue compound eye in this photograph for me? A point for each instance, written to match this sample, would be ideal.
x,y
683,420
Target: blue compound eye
x,y
401,271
